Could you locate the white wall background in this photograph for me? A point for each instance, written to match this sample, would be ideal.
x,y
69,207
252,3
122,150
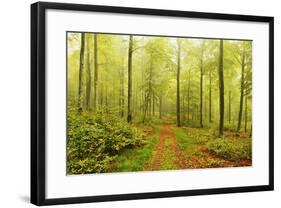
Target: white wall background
x,y
15,101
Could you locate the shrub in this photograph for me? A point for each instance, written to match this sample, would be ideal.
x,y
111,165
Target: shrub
x,y
95,140
230,148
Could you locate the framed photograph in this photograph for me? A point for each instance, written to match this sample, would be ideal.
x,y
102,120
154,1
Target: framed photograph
x,y
134,103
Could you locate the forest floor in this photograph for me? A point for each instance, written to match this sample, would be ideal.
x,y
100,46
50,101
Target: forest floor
x,y
171,148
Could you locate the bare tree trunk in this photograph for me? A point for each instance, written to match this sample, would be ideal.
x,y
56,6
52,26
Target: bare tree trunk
x,y
251,131
188,97
145,107
89,78
201,85
96,70
229,106
183,105
221,84
246,112
122,93
153,104
130,53
81,69
178,83
160,106
210,97
241,89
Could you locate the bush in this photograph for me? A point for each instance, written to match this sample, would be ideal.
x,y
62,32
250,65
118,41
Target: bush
x,y
231,149
95,140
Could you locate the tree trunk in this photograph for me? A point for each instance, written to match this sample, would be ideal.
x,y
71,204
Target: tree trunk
x,y
201,86
153,104
241,89
188,97
229,106
210,97
160,107
178,83
95,70
251,131
145,106
130,53
221,85
183,105
246,112
122,92
81,69
89,80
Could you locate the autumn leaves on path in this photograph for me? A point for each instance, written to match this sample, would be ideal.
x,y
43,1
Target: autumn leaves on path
x,y
167,153
184,151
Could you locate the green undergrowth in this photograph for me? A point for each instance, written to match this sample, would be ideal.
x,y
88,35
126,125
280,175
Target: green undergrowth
x,y
233,146
133,159
95,140
232,149
186,143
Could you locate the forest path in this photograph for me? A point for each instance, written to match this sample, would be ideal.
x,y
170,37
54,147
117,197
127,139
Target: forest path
x,y
167,154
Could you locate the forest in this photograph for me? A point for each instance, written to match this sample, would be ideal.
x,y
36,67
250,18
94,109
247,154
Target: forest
x,y
146,103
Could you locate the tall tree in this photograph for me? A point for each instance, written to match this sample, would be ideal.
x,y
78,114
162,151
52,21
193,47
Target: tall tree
x,y
130,53
246,113
178,81
89,78
160,107
81,69
221,89
95,70
201,83
210,96
188,97
241,88
229,106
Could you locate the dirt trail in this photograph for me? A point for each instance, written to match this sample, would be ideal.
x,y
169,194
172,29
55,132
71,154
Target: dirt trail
x,y
168,155
177,160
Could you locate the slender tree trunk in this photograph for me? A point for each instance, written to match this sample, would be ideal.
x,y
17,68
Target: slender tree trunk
x,y
188,98
251,131
241,89
160,107
122,92
178,83
246,112
153,104
89,80
145,107
210,97
229,106
183,105
221,85
201,86
101,93
130,53
95,70
81,69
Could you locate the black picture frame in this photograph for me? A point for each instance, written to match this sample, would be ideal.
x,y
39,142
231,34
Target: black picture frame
x,y
38,102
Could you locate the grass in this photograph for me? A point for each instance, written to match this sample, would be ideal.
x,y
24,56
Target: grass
x,y
203,149
169,158
134,159
189,143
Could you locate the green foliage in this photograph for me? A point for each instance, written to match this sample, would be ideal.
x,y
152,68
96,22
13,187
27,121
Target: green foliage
x,y
95,140
134,159
232,149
